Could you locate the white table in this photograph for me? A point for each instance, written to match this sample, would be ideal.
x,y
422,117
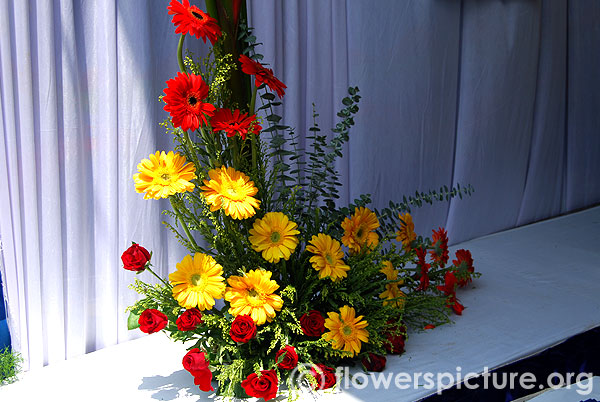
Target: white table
x,y
539,287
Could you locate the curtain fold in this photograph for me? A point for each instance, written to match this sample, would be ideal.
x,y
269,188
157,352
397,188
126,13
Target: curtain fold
x,y
503,95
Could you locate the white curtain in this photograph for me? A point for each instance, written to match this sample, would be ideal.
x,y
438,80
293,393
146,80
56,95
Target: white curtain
x,y
500,94
79,95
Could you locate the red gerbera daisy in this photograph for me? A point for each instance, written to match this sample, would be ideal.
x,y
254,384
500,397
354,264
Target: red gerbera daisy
x,y
262,75
449,286
234,123
455,305
439,242
191,20
424,280
183,97
464,267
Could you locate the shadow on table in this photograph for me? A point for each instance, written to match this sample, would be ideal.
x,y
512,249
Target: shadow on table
x,y
168,388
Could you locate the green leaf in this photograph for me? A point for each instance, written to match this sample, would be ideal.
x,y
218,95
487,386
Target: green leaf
x,y
132,321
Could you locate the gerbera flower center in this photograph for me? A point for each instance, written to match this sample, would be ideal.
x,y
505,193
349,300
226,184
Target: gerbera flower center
x,y
197,15
192,101
347,330
275,237
196,280
361,231
253,293
165,176
329,259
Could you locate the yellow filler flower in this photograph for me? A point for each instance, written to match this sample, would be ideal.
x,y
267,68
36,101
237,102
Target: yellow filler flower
x,y
198,282
253,295
164,175
328,258
346,331
275,236
231,191
359,230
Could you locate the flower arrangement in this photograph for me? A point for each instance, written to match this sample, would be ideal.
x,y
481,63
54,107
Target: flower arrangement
x,y
284,279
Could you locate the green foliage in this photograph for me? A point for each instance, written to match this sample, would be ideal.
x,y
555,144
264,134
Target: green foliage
x,y
10,365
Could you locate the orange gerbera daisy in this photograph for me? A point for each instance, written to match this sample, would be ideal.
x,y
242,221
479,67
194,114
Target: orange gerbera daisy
x,y
231,191
346,331
406,234
359,230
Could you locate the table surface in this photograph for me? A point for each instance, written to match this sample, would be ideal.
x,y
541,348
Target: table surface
x,y
538,288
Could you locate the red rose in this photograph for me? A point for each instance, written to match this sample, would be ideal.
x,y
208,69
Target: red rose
x,y
264,386
374,362
152,321
195,362
325,376
312,323
289,360
242,329
135,258
189,320
395,340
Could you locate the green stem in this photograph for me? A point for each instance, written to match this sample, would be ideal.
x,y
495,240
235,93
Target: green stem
x,y
168,285
253,100
253,136
283,271
180,54
185,228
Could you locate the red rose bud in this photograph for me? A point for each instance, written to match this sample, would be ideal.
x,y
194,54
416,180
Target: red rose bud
x,y
289,360
195,362
324,375
189,320
374,362
152,321
135,258
429,326
312,323
264,386
242,329
395,340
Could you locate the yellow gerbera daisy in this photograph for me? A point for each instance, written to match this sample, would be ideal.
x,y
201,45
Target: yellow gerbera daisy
x,y
198,282
275,236
346,331
252,294
390,272
391,292
359,230
406,234
231,191
164,175
328,258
